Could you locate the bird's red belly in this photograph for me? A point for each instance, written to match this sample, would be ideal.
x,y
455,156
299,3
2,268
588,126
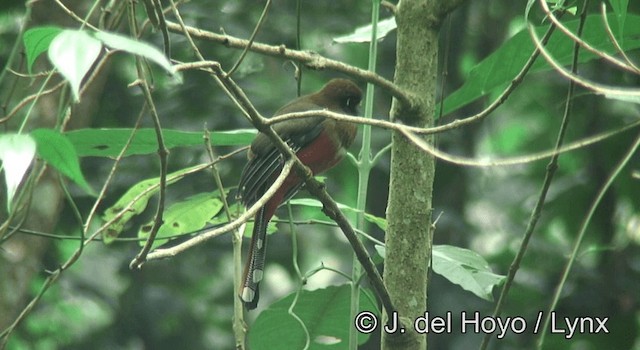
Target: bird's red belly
x,y
320,155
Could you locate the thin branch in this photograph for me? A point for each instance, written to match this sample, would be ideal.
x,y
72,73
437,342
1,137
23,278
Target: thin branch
x,y
583,44
263,16
162,25
546,184
331,209
514,160
68,11
251,212
163,154
596,87
613,39
583,229
503,96
310,59
28,99
112,172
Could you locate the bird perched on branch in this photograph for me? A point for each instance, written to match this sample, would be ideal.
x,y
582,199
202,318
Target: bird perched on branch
x,y
319,143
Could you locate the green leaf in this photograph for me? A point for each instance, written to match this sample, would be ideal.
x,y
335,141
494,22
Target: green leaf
x,y
621,96
324,314
73,52
57,150
189,215
620,9
16,154
109,142
119,42
138,197
363,34
36,41
504,64
465,268
310,202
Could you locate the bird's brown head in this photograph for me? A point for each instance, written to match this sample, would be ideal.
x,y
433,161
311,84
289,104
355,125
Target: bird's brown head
x,y
341,95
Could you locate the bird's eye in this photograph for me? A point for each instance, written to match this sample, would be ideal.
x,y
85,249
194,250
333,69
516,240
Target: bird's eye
x,y
350,102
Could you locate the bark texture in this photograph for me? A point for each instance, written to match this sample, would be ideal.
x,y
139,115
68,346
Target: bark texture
x,y
409,208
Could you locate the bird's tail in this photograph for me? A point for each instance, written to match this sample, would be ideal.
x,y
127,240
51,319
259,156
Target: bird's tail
x,y
254,266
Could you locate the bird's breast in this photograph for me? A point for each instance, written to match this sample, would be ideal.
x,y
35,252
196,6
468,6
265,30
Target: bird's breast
x,y
322,153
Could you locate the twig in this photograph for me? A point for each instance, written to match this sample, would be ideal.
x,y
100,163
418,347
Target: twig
x,y
251,212
546,184
613,39
583,229
514,160
582,43
263,16
163,154
596,87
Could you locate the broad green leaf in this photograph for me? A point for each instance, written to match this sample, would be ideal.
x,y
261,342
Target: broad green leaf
x,y
620,9
109,142
138,197
323,312
363,34
16,155
57,151
190,215
36,41
120,42
465,268
504,64
310,202
73,52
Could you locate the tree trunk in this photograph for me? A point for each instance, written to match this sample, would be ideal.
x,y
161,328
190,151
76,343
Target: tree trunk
x,y
408,244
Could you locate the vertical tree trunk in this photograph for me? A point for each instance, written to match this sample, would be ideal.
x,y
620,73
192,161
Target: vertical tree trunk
x,y
409,208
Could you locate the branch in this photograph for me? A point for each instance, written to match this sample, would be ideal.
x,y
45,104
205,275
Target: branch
x,y
330,208
310,59
251,212
488,162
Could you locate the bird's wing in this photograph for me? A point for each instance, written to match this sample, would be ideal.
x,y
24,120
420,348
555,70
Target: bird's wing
x,y
267,161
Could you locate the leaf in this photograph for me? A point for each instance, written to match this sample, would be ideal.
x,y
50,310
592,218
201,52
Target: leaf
x,y
120,42
57,151
363,34
189,215
310,202
465,268
620,9
109,142
16,154
72,53
503,65
36,41
324,313
138,197
621,96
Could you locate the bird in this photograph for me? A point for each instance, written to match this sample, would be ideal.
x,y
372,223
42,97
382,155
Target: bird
x,y
319,142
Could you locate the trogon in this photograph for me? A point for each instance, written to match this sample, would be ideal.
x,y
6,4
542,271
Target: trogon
x,y
319,142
